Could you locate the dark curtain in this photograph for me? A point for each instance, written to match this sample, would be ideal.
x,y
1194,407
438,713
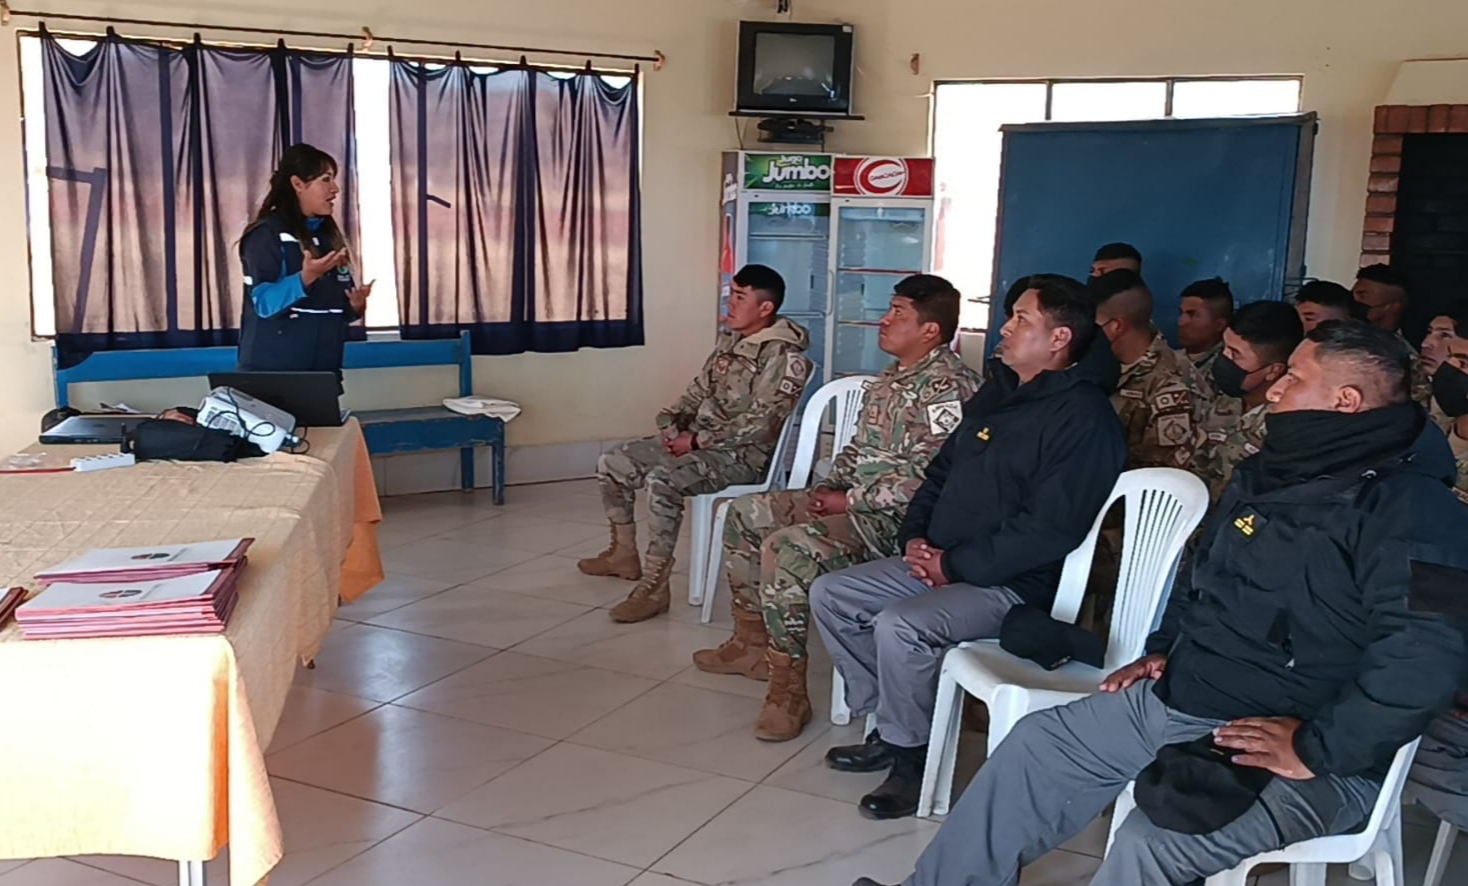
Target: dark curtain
x,y
158,156
516,207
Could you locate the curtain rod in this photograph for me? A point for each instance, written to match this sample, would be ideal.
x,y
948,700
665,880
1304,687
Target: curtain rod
x,y
367,37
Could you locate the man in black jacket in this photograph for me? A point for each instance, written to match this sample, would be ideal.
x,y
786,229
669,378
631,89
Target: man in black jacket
x,y
1014,489
1318,630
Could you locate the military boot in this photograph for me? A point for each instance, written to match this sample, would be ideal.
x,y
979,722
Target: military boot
x,y
651,596
787,706
620,558
743,653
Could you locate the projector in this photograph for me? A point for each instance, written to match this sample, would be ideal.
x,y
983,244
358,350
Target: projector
x,y
229,410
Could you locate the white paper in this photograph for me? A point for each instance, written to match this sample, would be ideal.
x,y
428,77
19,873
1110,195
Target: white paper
x,y
65,596
142,559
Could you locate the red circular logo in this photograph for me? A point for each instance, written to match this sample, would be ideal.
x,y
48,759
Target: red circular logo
x,y
881,176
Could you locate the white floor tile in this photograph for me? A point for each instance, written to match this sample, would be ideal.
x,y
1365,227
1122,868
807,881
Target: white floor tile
x,y
473,615
658,648
62,872
659,880
598,803
536,695
405,758
520,532
443,853
555,577
802,841
453,562
321,830
310,712
394,591
382,664
697,728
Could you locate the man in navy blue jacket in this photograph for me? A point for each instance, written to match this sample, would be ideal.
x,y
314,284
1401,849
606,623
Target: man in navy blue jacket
x,y
1014,489
1318,628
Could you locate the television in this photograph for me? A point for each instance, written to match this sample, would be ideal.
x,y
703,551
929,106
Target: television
x,y
794,69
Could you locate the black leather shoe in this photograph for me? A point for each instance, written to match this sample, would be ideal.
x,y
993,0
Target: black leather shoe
x,y
866,881
897,797
872,755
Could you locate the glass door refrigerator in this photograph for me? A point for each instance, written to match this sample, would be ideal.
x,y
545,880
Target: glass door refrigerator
x,y
882,232
777,212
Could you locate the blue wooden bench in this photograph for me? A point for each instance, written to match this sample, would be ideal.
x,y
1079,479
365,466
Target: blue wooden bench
x,y
388,431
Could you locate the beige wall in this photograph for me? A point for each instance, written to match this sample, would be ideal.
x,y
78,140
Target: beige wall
x,y
1348,50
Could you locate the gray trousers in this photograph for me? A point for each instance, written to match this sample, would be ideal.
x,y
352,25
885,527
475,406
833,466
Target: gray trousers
x,y
1060,768
887,633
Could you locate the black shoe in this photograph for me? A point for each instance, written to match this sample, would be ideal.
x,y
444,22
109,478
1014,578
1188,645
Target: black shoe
x,y
872,755
866,881
897,797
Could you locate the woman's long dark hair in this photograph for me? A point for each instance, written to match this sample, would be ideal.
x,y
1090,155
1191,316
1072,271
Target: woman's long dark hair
x,y
306,163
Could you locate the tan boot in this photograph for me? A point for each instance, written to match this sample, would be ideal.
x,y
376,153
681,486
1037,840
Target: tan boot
x,y
651,596
743,653
620,558
787,706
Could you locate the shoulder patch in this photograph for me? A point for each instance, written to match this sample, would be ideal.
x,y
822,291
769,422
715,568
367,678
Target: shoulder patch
x,y
796,367
1174,430
1173,398
1130,393
944,417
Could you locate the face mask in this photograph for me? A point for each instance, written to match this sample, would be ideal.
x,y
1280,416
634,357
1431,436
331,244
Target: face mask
x,y
1229,377
1450,389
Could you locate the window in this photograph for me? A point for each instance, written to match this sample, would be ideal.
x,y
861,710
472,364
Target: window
x,y
967,144
376,246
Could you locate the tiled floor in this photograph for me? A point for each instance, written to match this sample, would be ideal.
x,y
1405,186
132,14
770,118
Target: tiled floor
x,y
478,719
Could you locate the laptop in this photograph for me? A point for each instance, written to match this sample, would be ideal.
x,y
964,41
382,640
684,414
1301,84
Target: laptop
x,y
92,429
314,398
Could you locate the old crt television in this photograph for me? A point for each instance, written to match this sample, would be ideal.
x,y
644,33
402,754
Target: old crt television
x,y
794,69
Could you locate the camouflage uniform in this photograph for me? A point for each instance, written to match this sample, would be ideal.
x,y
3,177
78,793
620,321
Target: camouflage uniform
x,y
1204,361
1158,402
1460,452
1227,436
1421,384
775,550
736,406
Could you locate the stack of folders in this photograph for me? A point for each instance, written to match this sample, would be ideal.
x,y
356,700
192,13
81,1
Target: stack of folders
x,y
137,592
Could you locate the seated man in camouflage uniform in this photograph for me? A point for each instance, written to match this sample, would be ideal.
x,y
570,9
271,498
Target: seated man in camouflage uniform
x,y
1159,401
777,543
721,432
1322,300
1450,326
1447,341
1256,352
1382,291
1158,397
1205,309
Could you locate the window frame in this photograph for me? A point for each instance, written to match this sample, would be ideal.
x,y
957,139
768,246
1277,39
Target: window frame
x,y
1170,82
374,333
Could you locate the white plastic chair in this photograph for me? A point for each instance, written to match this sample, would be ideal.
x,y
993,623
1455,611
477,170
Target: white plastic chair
x,y
1381,839
1442,850
844,395
1163,507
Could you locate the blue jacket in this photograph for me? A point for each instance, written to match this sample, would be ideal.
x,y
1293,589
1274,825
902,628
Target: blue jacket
x,y
287,327
1337,601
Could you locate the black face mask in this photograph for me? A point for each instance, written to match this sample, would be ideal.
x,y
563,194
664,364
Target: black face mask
x,y
1229,377
1450,390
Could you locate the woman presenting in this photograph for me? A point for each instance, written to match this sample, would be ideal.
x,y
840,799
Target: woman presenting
x,y
299,293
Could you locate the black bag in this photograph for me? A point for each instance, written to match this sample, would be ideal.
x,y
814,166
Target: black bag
x,y
1196,788
1029,632
158,439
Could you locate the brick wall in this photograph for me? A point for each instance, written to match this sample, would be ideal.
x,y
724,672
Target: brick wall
x,y
1417,198
1393,124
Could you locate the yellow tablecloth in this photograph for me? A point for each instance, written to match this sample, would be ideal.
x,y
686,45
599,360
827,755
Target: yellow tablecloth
x,y
155,746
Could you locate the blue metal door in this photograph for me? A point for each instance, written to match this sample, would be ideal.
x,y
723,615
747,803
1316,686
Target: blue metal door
x,y
1198,198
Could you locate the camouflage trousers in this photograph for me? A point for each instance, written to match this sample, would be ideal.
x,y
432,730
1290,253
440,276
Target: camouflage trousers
x,y
644,463
774,550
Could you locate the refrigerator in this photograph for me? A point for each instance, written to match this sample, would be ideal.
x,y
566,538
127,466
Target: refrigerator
x,y
841,230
